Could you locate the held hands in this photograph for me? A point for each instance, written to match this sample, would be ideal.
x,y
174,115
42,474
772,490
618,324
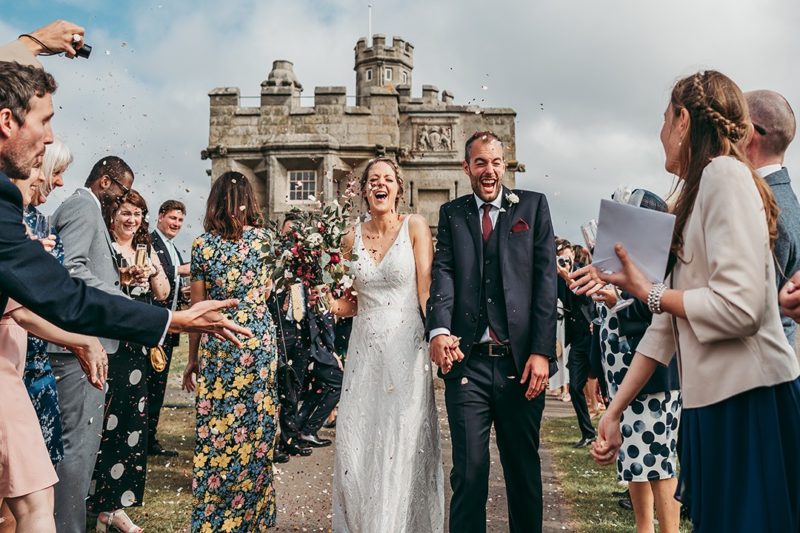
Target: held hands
x,y
609,440
537,374
589,280
204,317
444,351
93,361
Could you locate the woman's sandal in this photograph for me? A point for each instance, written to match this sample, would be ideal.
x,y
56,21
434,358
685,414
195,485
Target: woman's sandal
x,y
119,516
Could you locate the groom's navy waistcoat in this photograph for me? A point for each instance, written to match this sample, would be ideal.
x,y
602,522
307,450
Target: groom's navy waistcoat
x,y
493,301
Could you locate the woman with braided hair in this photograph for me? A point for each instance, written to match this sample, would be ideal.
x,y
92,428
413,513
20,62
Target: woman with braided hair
x,y
740,427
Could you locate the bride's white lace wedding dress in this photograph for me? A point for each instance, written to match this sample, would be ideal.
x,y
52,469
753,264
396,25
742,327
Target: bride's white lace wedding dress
x,y
388,470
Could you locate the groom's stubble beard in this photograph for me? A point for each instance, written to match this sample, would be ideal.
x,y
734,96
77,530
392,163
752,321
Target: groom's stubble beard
x,y
475,183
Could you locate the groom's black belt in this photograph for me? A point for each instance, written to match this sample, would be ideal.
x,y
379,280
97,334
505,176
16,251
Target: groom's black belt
x,y
490,349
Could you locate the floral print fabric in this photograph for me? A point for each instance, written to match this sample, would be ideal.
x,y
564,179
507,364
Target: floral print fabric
x,y
236,393
38,375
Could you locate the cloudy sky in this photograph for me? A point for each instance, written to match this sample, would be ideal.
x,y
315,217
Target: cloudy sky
x,y
589,79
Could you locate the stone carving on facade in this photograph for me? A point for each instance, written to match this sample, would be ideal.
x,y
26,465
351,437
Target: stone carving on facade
x,y
434,138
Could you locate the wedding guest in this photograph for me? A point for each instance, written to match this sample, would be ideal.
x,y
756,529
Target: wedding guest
x,y
80,222
26,470
292,316
236,391
38,376
121,467
739,376
578,313
321,397
647,460
170,221
773,130
559,382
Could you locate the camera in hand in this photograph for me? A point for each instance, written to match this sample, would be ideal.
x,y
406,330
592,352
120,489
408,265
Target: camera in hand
x,y
84,51
564,262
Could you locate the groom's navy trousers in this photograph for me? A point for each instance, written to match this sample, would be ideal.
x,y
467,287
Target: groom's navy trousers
x,y
490,391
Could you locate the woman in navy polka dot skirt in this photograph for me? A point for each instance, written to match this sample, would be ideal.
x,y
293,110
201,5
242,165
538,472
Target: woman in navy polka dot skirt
x,y
648,457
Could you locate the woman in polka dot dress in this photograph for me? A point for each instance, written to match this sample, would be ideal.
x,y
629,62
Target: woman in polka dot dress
x,y
119,473
647,459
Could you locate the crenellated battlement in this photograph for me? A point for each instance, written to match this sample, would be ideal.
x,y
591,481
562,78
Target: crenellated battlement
x,y
400,50
295,147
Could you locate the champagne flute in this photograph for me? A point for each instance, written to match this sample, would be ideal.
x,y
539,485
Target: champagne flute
x,y
141,256
42,226
125,276
589,231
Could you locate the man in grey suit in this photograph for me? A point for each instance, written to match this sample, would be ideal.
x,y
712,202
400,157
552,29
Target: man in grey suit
x,y
774,128
88,255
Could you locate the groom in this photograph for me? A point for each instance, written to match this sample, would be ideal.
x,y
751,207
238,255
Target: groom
x,y
492,328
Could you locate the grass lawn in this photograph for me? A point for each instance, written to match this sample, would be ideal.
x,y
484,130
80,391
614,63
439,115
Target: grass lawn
x,y
586,485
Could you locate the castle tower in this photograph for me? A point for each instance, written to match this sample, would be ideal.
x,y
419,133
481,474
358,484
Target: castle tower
x,y
382,66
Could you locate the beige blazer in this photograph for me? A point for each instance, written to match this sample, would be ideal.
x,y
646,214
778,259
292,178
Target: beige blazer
x,y
732,339
17,51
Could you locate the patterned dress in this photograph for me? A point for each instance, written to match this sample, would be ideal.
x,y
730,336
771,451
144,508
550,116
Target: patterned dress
x,y
120,472
236,393
650,423
38,376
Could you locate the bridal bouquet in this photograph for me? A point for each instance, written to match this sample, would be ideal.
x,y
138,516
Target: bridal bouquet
x,y
311,252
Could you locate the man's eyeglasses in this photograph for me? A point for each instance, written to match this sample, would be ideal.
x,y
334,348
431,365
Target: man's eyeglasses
x,y
125,190
759,129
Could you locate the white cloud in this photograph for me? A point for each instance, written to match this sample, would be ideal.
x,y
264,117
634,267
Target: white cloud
x,y
589,80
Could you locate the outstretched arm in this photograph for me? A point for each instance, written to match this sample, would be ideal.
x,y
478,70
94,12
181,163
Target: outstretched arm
x,y
87,349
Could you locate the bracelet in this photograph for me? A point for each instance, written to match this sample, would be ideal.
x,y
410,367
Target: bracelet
x,y
654,298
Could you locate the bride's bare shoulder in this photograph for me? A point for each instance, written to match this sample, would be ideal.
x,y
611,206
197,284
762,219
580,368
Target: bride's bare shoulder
x,y
418,226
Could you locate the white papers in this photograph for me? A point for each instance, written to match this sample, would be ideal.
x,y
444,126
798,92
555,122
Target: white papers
x,y
646,235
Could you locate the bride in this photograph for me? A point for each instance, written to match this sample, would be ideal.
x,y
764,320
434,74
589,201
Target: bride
x,y
388,470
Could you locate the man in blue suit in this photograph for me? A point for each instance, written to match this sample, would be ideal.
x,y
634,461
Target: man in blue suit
x,y
773,130
492,327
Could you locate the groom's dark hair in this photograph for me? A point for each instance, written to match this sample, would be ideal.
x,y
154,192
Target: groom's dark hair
x,y
483,136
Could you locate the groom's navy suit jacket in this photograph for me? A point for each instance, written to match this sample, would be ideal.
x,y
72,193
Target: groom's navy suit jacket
x,y
38,281
527,255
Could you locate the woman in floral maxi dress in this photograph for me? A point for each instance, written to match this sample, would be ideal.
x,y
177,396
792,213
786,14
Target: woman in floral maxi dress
x,y
236,388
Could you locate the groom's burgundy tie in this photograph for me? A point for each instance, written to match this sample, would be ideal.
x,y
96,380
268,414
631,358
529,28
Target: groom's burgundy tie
x,y
486,222
486,226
